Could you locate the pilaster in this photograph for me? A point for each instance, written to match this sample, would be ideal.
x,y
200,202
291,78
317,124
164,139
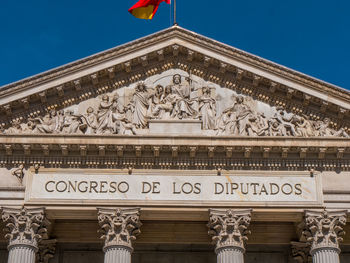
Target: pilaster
x,y
229,230
119,228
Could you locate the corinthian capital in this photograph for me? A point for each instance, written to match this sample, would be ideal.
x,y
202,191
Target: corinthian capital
x,y
324,229
229,228
25,226
119,227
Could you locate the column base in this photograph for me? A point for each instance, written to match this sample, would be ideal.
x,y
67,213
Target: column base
x,y
21,254
117,254
230,255
325,255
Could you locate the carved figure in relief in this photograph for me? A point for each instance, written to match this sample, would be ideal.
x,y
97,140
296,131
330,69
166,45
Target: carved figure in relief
x,y
140,102
179,100
71,123
122,125
49,124
166,106
287,128
15,128
275,128
156,99
257,125
207,109
323,129
104,116
184,103
89,121
304,127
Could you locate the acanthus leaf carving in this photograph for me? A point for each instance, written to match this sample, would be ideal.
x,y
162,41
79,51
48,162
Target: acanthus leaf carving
x,y
229,228
25,226
47,249
301,252
324,229
119,227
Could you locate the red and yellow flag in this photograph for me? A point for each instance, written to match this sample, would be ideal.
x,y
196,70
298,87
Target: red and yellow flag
x,y
146,9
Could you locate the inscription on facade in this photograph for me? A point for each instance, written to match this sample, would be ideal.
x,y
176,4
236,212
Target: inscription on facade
x,y
181,188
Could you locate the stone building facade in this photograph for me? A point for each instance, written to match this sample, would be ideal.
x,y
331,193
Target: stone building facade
x,y
174,148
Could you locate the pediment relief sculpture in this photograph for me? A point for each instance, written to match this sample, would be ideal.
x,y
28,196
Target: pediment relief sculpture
x,y
176,96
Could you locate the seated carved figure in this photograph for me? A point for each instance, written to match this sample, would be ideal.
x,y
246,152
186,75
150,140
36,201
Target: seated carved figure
x,y
304,127
49,124
257,125
15,128
185,105
71,123
166,106
276,128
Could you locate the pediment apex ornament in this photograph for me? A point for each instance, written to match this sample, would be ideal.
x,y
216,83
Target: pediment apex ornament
x,y
229,228
175,96
119,226
324,229
25,226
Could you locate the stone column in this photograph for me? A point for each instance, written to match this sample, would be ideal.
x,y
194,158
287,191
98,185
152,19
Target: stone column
x,y
323,231
119,227
229,230
25,229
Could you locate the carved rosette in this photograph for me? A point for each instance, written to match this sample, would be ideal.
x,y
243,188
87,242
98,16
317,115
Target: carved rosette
x,y
324,229
119,227
47,249
301,252
229,228
25,226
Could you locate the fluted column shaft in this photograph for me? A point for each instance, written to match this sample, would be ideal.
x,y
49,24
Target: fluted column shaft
x,y
323,255
119,227
230,255
25,227
229,230
21,254
117,254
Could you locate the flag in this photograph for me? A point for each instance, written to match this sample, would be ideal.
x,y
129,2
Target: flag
x,y
146,9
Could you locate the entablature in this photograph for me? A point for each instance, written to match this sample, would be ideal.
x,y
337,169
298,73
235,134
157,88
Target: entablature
x,y
179,152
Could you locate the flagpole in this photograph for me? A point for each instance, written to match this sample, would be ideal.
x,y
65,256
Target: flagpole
x,y
175,23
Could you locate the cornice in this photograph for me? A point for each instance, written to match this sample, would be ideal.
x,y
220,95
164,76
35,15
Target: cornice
x,y
142,150
176,31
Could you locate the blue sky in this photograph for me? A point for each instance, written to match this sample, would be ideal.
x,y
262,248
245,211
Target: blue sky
x,y
311,36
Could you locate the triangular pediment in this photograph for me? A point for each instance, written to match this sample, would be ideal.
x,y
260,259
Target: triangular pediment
x,y
261,98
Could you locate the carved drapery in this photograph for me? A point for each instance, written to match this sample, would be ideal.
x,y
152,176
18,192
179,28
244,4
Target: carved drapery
x,y
301,252
324,230
119,226
179,99
229,228
25,226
